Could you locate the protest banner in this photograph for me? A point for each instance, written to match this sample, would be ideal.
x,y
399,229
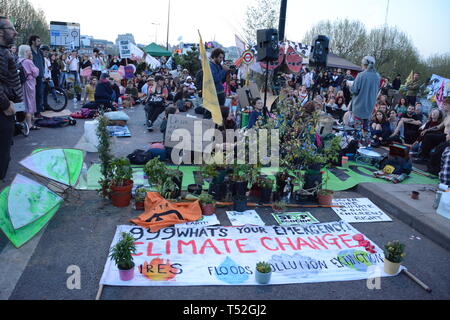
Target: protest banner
x,y
249,217
176,122
359,210
228,255
438,89
294,218
125,49
205,221
247,94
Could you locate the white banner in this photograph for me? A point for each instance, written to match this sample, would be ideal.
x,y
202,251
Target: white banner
x,y
359,210
294,218
249,217
228,255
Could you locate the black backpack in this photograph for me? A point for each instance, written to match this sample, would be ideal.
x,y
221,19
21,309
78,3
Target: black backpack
x,y
21,72
140,157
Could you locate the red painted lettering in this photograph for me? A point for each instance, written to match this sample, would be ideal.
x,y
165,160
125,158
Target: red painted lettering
x,y
289,243
344,241
302,242
209,244
137,254
190,243
333,241
225,243
263,242
241,246
150,249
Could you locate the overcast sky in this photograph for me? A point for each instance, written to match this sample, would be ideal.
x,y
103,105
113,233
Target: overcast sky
x,y
426,22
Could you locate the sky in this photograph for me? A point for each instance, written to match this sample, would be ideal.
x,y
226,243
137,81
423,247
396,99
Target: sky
x,y
426,22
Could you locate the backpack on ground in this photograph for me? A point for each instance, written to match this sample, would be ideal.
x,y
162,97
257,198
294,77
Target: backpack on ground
x,y
55,122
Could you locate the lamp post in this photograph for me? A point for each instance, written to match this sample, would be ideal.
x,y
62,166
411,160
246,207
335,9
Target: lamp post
x,y
168,27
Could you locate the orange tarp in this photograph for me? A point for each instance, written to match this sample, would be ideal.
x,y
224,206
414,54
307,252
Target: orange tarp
x,y
160,213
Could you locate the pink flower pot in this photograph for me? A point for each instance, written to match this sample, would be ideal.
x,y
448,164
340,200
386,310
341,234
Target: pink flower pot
x,y
208,209
126,275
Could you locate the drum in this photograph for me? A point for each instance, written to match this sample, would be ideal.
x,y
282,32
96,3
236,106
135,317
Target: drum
x,y
368,156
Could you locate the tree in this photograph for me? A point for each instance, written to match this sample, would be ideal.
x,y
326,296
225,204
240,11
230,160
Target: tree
x,y
347,38
27,20
190,60
264,15
439,64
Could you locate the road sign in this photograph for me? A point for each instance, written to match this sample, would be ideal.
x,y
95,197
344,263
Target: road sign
x,y
248,57
65,34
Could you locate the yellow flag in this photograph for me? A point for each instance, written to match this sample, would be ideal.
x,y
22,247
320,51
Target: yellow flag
x,y
210,100
410,77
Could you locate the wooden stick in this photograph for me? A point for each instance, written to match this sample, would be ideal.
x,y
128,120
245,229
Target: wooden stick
x,y
99,292
416,280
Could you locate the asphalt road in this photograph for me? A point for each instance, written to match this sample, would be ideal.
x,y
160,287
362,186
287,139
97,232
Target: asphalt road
x,y
81,232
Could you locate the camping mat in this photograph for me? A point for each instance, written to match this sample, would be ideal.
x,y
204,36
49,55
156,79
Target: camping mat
x,y
340,179
21,236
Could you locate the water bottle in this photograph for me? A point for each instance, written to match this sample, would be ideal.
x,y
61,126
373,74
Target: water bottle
x,y
75,102
119,103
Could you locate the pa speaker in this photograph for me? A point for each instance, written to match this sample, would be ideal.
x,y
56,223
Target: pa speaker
x,y
321,48
268,49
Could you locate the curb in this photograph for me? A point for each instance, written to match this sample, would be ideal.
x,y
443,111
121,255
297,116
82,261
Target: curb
x,y
433,226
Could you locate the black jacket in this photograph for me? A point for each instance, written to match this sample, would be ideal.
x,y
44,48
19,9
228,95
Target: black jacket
x,y
10,87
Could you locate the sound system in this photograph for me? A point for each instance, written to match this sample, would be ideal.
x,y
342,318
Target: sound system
x,y
268,49
320,50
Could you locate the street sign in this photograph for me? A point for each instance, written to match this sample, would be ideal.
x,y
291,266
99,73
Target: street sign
x,y
248,57
65,34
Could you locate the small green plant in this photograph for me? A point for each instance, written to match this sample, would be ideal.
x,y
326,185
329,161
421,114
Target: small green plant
x,y
394,251
155,171
121,172
122,252
206,199
265,182
141,194
263,267
325,192
209,172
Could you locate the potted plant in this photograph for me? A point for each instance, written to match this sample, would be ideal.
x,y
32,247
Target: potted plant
x,y
168,182
325,196
104,153
394,252
121,254
266,185
139,198
208,204
263,272
121,183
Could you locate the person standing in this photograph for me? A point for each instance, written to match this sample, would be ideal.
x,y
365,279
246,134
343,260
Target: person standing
x,y
397,83
365,90
29,86
96,64
219,73
10,92
413,88
38,59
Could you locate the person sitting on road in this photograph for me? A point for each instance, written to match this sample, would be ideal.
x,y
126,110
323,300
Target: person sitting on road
x,y
380,129
104,93
90,91
411,123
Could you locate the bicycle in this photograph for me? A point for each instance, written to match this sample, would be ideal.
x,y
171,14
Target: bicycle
x,y
56,98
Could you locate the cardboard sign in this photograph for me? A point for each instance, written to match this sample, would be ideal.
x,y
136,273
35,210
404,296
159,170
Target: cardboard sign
x,y
359,210
195,127
125,49
249,217
294,218
246,94
227,256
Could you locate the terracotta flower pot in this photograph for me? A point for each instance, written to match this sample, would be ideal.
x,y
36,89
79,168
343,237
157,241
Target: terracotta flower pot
x,y
325,199
208,209
391,267
139,205
121,196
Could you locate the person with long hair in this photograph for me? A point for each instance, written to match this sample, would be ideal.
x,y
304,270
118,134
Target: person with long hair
x,y
258,112
402,107
29,87
380,129
435,118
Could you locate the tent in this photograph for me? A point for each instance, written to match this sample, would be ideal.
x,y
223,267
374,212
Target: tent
x,y
156,51
335,61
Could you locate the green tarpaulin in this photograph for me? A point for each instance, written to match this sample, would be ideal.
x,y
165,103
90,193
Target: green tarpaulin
x,y
340,179
156,51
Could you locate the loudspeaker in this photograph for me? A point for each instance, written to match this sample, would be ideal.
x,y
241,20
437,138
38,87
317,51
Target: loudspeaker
x,y
320,50
268,49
